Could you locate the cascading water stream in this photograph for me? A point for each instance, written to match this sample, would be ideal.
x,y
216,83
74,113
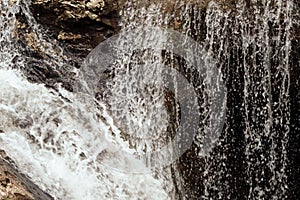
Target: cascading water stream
x,y
56,138
260,44
113,136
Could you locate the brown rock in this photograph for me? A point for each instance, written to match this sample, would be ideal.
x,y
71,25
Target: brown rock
x,y
80,25
15,185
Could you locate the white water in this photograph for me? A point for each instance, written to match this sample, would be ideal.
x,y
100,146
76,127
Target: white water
x,y
56,138
47,136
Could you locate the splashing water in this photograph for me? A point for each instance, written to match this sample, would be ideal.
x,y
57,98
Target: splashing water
x,y
57,139
75,146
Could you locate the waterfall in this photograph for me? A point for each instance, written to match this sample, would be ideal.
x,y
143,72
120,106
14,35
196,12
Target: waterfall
x,y
191,100
259,48
56,137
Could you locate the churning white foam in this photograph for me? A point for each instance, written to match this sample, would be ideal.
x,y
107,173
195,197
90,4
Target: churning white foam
x,y
61,144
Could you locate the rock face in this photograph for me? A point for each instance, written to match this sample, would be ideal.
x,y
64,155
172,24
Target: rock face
x,y
10,187
80,25
16,186
71,29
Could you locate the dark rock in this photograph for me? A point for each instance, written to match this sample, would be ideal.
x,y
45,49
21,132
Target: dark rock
x,y
80,25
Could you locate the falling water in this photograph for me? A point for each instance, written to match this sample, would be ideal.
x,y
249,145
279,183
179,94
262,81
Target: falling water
x,y
259,47
100,141
56,137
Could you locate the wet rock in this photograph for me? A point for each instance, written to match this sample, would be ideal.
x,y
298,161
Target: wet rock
x,y
79,25
16,186
23,122
46,60
10,188
68,30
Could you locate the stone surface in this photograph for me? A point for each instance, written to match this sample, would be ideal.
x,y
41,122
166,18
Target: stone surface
x,y
11,187
80,25
15,185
